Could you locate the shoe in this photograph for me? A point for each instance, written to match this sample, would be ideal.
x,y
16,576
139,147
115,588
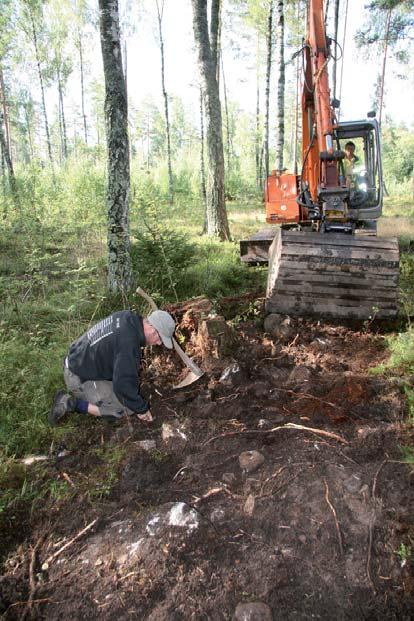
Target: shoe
x,y
62,405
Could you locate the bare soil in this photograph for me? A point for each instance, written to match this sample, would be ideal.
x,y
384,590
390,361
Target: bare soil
x,y
313,532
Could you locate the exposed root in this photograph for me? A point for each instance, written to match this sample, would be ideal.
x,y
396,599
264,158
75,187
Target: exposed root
x,y
332,508
254,432
69,543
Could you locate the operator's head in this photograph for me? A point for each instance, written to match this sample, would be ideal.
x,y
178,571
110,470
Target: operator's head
x,y
350,149
159,327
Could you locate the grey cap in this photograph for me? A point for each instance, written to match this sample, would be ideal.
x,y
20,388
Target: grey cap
x,y
164,325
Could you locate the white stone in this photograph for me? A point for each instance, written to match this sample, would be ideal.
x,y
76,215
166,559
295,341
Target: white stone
x,y
250,460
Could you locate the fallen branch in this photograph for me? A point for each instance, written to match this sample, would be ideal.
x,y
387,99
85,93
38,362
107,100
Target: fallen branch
x,y
32,581
369,554
374,485
69,543
332,508
213,492
320,432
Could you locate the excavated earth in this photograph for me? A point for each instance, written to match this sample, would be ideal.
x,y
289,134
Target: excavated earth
x,y
311,529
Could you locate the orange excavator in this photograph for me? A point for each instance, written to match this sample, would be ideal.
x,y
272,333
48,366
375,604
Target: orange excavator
x,y
325,258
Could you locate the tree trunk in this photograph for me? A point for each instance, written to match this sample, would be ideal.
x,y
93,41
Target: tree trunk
x,y
336,21
267,95
165,95
384,63
63,122
29,131
5,112
280,64
42,89
85,128
3,182
202,164
116,119
258,137
226,110
217,223
9,164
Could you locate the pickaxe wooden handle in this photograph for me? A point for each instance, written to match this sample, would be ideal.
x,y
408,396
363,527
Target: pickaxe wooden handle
x,y
186,359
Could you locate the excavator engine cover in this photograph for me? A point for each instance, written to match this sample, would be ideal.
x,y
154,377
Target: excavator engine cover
x,y
281,194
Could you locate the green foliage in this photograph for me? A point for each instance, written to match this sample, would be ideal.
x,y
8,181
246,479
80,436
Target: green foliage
x,y
408,454
106,475
398,154
401,347
404,553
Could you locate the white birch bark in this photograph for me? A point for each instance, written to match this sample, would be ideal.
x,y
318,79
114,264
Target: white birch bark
x,y
116,120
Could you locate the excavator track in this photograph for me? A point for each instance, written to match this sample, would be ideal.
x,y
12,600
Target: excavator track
x,y
332,275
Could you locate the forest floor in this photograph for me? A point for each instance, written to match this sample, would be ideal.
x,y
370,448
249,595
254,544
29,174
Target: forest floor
x,y
277,479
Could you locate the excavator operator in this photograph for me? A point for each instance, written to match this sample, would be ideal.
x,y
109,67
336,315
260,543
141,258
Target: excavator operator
x,y
349,160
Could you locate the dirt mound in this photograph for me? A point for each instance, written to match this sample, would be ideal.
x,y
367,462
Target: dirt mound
x,y
190,529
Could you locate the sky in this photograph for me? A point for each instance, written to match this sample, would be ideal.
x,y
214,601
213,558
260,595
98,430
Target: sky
x,y
359,75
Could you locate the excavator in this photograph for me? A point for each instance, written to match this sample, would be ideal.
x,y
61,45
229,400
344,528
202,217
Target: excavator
x,y
325,258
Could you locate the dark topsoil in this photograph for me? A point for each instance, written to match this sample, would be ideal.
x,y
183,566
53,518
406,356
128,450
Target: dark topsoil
x,y
312,533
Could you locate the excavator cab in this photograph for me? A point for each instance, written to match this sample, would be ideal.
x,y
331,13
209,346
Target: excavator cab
x,y
364,176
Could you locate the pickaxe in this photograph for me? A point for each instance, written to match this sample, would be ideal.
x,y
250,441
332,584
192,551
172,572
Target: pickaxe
x,y
195,371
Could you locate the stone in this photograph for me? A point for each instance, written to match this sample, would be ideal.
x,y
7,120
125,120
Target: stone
x,y
300,374
272,321
231,374
173,436
278,326
218,515
319,344
147,445
250,460
353,484
260,389
253,611
228,477
302,539
177,515
249,505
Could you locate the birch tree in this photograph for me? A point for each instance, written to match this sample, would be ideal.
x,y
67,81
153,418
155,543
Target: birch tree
x,y
267,97
116,120
280,67
206,38
160,12
389,26
33,26
80,21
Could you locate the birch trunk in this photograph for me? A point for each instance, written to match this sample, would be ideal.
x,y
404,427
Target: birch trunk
x,y
165,96
82,79
63,122
217,223
226,110
9,164
116,120
280,65
202,165
5,111
42,89
258,138
384,63
267,94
